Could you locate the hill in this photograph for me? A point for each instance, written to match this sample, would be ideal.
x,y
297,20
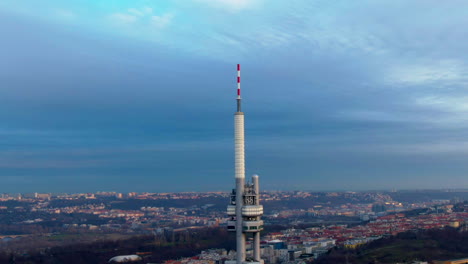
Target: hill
x,y
426,245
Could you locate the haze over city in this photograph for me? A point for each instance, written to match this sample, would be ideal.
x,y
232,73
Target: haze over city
x,y
139,95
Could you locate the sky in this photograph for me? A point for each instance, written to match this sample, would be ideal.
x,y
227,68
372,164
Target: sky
x,y
139,95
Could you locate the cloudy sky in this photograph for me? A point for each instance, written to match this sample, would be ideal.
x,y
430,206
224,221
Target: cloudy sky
x,y
139,95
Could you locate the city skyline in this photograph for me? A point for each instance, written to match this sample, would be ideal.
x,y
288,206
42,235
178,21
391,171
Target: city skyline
x,y
138,95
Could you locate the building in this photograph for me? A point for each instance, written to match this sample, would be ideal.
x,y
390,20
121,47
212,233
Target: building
x,y
453,261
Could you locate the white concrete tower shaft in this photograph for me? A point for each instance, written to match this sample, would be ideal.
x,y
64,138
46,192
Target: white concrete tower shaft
x,y
239,145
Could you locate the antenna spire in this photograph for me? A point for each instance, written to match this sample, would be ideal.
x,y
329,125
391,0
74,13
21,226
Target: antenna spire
x,y
238,89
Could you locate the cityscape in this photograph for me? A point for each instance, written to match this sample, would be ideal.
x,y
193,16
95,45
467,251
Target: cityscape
x,y
317,222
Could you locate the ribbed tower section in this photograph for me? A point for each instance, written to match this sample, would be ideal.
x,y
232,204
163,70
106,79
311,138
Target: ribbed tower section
x,y
244,208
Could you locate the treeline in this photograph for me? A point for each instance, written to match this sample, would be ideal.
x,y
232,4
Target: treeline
x,y
135,204
219,203
158,248
425,245
9,230
426,195
13,203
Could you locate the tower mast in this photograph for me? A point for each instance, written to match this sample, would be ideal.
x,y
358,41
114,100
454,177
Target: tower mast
x,y
244,209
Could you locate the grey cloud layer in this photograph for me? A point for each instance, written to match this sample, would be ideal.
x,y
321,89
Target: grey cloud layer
x,y
363,95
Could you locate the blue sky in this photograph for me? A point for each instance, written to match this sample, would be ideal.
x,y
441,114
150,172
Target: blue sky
x,y
139,95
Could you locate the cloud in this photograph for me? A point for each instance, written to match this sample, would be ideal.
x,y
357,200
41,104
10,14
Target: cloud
x,y
328,72
124,18
230,5
48,163
439,148
429,72
143,17
65,14
161,21
140,11
460,147
374,116
445,103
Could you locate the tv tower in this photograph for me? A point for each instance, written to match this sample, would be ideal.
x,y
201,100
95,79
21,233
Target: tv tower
x,y
244,208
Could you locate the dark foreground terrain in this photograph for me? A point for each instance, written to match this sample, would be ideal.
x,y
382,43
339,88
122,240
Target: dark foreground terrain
x,y
154,248
425,245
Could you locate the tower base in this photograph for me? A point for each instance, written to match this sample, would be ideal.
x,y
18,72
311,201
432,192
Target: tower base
x,y
245,262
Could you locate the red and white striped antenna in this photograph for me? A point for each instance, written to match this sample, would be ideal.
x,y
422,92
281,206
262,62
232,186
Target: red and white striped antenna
x,y
238,89
238,81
